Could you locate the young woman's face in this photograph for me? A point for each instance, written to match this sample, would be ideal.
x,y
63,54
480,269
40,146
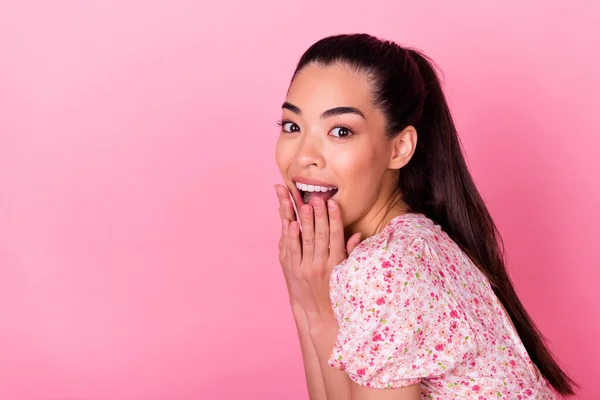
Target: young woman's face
x,y
333,136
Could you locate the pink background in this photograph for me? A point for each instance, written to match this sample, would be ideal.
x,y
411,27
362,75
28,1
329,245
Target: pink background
x,y
138,222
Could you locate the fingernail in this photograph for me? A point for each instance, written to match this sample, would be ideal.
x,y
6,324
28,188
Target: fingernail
x,y
331,205
317,205
306,209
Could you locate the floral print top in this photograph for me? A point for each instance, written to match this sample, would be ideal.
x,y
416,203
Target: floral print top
x,y
413,308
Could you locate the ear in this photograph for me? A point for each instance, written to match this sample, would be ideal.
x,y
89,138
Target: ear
x,y
403,147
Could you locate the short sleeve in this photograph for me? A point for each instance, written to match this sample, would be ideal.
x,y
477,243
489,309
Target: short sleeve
x,y
398,322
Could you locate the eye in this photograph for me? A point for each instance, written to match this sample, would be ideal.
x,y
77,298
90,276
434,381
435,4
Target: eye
x,y
288,126
341,132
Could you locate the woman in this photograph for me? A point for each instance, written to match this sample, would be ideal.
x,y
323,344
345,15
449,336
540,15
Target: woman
x,y
422,308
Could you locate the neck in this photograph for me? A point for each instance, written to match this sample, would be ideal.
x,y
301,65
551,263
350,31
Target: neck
x,y
378,217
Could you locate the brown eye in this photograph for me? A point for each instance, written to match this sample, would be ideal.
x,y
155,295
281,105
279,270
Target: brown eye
x,y
341,132
290,127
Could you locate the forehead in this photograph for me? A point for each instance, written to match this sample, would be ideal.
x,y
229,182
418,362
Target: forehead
x,y
316,88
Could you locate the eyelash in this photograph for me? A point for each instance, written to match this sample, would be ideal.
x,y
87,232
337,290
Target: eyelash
x,y
280,123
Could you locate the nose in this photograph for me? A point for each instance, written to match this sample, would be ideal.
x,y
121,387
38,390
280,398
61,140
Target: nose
x,y
309,152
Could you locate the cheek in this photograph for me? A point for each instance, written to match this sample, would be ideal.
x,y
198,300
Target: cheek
x,y
356,168
360,171
283,155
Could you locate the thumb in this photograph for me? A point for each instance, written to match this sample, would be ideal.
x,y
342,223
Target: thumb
x,y
353,242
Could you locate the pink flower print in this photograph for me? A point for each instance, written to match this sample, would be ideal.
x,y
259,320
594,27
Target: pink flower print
x,y
374,349
387,276
435,295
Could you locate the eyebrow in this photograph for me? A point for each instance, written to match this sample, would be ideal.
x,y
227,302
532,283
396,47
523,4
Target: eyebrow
x,y
328,113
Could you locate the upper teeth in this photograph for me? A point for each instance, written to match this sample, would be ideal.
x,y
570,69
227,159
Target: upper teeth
x,y
313,188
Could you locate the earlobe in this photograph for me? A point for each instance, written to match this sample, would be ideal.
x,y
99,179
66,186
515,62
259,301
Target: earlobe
x,y
403,147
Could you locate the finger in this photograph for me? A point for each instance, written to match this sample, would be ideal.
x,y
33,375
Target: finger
x,y
288,210
283,229
287,207
321,230
285,202
353,242
294,250
337,245
279,199
281,218
308,232
284,240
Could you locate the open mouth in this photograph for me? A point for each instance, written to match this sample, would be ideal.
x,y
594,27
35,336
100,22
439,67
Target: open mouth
x,y
309,191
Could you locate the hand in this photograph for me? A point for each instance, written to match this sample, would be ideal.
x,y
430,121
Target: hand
x,y
307,259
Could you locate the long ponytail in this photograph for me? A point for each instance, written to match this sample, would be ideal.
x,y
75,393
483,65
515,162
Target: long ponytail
x,y
456,204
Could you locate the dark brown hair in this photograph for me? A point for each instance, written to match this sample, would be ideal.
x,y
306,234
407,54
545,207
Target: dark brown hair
x,y
436,182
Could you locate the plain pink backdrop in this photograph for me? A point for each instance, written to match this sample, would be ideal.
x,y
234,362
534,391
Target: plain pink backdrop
x,y
138,221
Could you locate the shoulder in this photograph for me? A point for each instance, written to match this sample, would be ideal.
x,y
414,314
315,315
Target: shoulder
x,y
409,244
412,264
395,310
